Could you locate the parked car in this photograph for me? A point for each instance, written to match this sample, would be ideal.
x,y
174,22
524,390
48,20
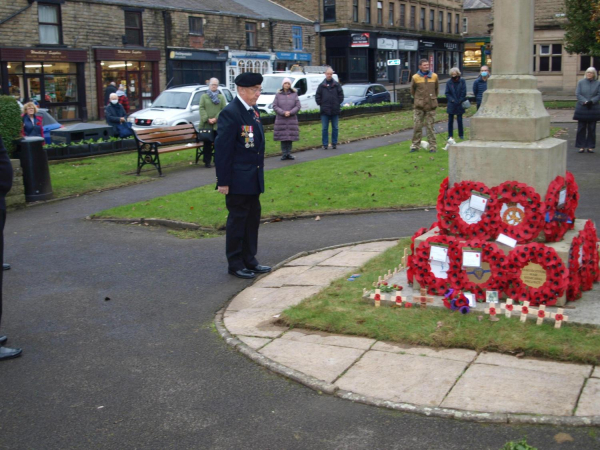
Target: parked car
x,y
175,106
360,94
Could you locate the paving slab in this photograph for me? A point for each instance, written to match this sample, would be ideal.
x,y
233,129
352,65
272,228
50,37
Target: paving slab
x,y
316,258
596,373
378,246
253,322
280,276
349,259
254,342
324,362
319,276
402,378
269,298
500,389
455,354
589,403
317,337
538,365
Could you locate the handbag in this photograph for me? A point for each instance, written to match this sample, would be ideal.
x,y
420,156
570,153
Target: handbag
x,y
125,130
466,104
207,135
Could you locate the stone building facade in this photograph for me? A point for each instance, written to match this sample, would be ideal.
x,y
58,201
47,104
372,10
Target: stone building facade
x,y
358,37
63,53
477,23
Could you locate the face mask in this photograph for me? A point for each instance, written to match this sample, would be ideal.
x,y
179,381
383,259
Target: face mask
x,y
484,74
455,77
114,102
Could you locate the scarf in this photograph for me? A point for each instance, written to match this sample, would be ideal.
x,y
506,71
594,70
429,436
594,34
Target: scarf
x,y
424,75
214,97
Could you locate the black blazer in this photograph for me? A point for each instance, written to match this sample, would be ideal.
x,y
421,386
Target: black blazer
x,y
6,174
239,167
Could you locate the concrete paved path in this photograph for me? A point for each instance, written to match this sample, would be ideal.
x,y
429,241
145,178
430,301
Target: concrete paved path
x,y
458,383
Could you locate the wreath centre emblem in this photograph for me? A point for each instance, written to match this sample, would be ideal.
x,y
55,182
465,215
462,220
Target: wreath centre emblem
x,y
512,214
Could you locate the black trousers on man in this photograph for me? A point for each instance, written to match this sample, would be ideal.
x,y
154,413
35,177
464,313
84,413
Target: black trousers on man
x,y
586,134
241,240
2,222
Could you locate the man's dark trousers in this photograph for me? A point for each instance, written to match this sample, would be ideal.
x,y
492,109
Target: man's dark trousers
x,y
241,243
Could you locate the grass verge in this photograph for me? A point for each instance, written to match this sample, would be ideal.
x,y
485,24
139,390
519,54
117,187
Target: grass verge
x,y
339,309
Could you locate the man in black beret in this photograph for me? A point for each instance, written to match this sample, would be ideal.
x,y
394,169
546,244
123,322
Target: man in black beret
x,y
239,161
6,178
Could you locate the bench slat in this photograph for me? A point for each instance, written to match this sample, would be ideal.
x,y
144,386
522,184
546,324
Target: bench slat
x,y
144,131
179,147
163,140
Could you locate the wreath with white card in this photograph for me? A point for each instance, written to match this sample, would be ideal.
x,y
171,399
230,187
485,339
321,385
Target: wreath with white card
x,y
431,274
562,199
521,211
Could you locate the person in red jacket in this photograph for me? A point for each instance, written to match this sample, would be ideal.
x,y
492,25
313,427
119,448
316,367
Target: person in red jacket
x,y
32,123
123,100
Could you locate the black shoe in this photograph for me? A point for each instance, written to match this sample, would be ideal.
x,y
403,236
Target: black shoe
x,y
5,266
325,147
334,146
259,269
9,353
3,339
290,157
208,165
244,273
283,157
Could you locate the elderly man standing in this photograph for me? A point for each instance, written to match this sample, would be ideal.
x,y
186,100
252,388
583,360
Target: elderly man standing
x,y
239,161
424,88
329,97
480,84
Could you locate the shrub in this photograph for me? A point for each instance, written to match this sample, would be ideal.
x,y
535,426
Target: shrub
x,y
10,122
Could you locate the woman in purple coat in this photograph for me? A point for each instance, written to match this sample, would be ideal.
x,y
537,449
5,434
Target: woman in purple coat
x,y
286,106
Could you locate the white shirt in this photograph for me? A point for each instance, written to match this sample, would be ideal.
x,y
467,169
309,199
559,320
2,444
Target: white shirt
x,y
248,107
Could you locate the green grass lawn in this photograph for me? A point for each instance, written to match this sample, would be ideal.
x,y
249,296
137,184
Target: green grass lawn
x,y
385,177
99,173
560,104
340,309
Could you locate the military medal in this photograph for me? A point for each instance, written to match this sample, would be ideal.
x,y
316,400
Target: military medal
x,y
248,135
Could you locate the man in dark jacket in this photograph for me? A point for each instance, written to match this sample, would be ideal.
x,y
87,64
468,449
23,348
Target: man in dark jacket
x,y
480,85
114,114
240,162
330,96
110,89
6,178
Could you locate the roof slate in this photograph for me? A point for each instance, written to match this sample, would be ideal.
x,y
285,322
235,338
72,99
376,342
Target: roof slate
x,y
477,4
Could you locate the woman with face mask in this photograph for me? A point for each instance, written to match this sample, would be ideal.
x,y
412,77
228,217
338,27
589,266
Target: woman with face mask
x,y
456,94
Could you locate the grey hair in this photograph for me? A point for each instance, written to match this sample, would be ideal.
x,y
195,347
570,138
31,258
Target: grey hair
x,y
592,70
213,79
455,69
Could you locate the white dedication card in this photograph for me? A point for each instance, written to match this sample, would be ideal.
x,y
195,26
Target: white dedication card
x,y
438,253
471,257
506,240
562,198
478,202
471,297
491,296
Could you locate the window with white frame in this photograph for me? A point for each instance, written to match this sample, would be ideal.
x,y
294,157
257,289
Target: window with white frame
x,y
50,24
441,21
297,37
457,23
379,13
391,14
431,20
465,25
547,58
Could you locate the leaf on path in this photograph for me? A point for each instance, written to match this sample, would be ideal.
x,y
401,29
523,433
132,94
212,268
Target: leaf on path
x,y
318,218
563,437
520,355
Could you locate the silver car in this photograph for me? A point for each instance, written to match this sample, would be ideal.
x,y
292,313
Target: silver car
x,y
175,106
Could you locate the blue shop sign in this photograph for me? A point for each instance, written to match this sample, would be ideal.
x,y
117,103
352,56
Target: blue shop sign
x,y
291,56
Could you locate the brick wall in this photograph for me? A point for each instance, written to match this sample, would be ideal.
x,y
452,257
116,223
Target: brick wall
x,y
478,21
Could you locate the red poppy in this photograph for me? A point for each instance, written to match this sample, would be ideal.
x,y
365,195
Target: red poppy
x,y
558,317
408,305
522,225
541,314
525,310
377,297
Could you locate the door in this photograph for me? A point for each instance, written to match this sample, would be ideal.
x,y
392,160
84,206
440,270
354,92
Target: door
x,y
134,91
34,90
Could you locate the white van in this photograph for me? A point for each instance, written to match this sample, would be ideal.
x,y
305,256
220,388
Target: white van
x,y
305,83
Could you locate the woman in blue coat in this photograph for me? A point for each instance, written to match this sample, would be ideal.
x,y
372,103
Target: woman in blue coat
x,y
456,94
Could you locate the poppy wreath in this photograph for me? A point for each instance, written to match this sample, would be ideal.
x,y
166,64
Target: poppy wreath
x,y
574,285
559,220
422,270
442,198
456,301
410,273
491,254
556,275
530,222
449,218
589,271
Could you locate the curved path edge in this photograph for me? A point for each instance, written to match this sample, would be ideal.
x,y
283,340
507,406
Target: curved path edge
x,y
329,388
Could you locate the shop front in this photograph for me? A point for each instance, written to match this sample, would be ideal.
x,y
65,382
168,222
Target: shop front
x,y
136,69
285,60
477,53
244,61
387,48
353,56
442,54
51,78
195,66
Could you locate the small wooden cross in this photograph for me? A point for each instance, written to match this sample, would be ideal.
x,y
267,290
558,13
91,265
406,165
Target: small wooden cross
x,y
423,298
398,298
508,307
377,298
492,310
525,310
542,314
559,317
405,257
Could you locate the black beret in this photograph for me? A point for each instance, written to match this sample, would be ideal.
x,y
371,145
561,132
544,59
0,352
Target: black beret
x,y
248,79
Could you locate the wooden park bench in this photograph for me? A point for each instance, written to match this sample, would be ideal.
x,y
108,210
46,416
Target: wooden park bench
x,y
151,142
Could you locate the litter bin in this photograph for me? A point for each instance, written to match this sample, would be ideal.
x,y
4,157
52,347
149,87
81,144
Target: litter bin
x,y
34,163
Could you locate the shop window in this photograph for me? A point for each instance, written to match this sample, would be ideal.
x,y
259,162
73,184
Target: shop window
x,y
465,25
391,14
241,66
586,62
367,11
257,66
196,26
413,16
441,21
379,13
449,24
264,67
50,24
297,37
355,10
329,10
250,34
422,27
431,20
456,23
402,15
549,58
133,28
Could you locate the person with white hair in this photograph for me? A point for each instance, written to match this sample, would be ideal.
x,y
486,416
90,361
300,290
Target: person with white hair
x,y
587,110
456,94
211,105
